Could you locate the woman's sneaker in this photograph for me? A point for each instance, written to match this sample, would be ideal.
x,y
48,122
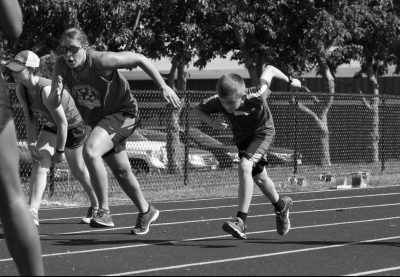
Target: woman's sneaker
x,y
236,228
144,221
101,219
35,217
282,217
89,215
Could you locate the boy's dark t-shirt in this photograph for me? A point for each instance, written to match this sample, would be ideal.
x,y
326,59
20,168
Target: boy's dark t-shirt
x,y
252,120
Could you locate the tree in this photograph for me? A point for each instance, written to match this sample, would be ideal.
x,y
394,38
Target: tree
x,y
375,30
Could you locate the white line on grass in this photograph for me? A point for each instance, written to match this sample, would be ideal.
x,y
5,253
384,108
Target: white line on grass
x,y
250,257
207,238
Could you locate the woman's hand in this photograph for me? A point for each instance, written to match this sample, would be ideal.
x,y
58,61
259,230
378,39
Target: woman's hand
x,y
170,95
58,157
36,155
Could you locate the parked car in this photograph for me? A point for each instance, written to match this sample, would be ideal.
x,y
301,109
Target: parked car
x,y
61,171
147,153
276,155
144,155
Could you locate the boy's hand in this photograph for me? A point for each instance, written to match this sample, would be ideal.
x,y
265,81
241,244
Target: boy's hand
x,y
296,83
170,95
219,124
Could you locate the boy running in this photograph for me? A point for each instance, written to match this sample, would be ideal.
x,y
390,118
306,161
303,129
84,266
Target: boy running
x,y
253,130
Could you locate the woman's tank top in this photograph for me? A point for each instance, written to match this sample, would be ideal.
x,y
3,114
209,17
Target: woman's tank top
x,y
97,97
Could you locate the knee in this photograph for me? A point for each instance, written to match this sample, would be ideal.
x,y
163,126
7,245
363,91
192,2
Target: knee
x,y
89,153
122,174
245,168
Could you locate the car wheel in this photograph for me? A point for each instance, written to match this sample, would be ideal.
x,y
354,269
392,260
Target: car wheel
x,y
139,166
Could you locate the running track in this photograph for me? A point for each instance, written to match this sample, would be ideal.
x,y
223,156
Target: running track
x,y
340,232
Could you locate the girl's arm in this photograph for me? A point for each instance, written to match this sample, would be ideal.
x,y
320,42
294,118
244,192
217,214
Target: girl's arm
x,y
31,121
55,97
59,118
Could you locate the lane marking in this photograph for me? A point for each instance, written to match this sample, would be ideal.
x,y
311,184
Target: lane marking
x,y
232,206
206,238
230,197
250,257
374,271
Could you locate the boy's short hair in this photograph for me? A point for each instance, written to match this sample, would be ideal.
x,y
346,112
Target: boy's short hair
x,y
230,84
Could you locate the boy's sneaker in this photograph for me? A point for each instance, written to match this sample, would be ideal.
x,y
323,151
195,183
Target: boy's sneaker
x,y
35,217
89,215
236,228
282,217
143,221
101,218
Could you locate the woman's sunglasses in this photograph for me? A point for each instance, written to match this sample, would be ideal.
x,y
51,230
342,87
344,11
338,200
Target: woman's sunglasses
x,y
62,50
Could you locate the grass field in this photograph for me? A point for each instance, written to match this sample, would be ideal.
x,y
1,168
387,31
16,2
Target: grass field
x,y
219,183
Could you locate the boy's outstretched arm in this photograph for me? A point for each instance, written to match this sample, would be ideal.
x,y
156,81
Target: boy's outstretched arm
x,y
272,72
216,124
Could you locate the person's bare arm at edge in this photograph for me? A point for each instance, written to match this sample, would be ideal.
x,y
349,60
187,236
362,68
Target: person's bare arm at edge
x,y
11,18
271,73
106,62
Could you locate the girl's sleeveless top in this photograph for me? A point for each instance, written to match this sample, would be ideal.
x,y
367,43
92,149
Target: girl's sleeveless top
x,y
43,114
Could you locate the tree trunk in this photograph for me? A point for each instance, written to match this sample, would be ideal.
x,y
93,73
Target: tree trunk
x,y
175,150
375,111
325,150
248,59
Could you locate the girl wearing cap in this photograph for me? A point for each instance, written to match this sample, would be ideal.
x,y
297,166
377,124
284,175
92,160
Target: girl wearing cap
x,y
105,102
52,142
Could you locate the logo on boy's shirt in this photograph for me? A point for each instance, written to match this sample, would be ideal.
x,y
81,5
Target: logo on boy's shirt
x,y
241,113
86,96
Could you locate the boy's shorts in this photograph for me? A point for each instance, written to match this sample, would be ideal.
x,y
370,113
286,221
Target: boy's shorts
x,y
76,136
119,125
255,150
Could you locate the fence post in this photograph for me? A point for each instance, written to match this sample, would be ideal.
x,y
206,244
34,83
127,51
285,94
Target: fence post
x,y
295,134
186,111
382,142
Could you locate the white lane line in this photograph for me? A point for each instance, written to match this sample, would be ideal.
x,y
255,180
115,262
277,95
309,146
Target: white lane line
x,y
218,219
205,238
250,257
232,197
382,270
213,219
232,206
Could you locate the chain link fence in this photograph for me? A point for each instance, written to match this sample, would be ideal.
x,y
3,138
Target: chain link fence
x,y
316,133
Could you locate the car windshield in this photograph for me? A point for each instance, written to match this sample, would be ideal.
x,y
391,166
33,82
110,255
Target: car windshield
x,y
154,135
136,136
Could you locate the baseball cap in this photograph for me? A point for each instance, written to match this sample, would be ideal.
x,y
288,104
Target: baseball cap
x,y
23,59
